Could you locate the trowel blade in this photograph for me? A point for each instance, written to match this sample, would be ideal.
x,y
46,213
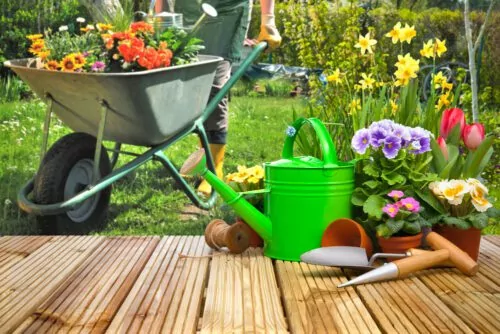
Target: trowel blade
x,y
338,256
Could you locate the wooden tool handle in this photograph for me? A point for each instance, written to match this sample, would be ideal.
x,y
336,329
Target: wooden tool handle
x,y
411,264
418,251
460,259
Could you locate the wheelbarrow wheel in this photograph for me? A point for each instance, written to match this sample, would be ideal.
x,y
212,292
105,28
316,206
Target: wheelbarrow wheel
x,y
65,171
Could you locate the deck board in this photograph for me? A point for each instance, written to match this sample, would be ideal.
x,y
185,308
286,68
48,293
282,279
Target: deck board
x,y
176,284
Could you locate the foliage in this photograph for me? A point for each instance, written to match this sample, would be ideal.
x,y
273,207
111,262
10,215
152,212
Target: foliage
x,y
12,89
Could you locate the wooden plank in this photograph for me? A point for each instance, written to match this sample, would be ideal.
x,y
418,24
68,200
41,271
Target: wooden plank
x,y
313,303
15,248
242,295
167,295
30,281
489,261
494,239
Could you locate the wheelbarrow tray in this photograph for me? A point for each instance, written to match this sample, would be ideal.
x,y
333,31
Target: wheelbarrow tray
x,y
147,107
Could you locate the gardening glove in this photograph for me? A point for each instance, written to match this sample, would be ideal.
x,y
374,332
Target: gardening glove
x,y
269,32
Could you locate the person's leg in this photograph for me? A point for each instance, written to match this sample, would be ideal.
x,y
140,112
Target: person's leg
x,y
217,124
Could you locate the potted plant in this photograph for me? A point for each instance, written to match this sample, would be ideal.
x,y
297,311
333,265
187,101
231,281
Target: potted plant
x,y
393,161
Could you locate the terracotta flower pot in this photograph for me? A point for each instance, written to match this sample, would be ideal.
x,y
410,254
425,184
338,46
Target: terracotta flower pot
x,y
399,244
346,232
467,240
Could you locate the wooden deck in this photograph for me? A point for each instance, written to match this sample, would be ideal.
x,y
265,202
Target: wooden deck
x,y
169,284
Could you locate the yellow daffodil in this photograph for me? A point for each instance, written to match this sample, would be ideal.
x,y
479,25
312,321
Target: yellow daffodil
x,y
408,61
354,106
407,33
438,79
367,81
395,33
440,47
357,87
428,50
454,191
365,43
34,37
394,107
404,74
444,101
335,77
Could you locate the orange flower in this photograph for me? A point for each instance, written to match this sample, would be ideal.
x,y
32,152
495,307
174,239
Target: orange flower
x,y
52,65
68,64
122,36
34,37
164,58
37,46
79,60
110,43
148,58
163,45
141,26
43,54
126,52
104,26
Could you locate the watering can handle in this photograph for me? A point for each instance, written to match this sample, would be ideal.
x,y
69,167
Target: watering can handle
x,y
327,147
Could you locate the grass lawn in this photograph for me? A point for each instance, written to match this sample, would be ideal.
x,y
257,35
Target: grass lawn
x,y
144,202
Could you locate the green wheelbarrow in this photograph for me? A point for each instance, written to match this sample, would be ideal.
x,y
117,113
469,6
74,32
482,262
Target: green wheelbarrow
x,y
71,191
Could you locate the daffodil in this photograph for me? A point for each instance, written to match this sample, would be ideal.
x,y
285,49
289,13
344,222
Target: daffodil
x,y
438,79
335,77
407,33
408,61
428,50
395,33
454,191
443,101
367,81
365,43
394,107
404,74
354,106
440,47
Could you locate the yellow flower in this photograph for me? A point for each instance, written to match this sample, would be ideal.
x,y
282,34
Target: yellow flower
x,y
404,74
52,65
104,26
253,179
258,172
335,77
440,47
367,81
43,54
68,64
407,33
394,107
395,33
478,190
443,101
354,106
428,50
357,87
365,43
435,188
79,59
34,37
408,61
454,190
481,204
37,46
89,27
438,79
230,177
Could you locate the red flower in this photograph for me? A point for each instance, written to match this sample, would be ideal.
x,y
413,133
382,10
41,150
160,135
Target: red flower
x,y
450,119
473,135
164,58
443,147
126,52
141,26
122,36
148,58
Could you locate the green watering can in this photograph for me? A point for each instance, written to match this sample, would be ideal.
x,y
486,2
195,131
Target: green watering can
x,y
303,195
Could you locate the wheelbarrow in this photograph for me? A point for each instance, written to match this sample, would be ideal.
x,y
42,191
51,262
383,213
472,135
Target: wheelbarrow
x,y
71,190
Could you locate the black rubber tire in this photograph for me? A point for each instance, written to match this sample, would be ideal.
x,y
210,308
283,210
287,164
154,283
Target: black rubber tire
x,y
51,179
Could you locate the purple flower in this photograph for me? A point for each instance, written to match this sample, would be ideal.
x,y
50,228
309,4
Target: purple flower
x,y
85,54
391,209
410,204
385,124
98,66
396,194
392,144
377,136
361,141
402,132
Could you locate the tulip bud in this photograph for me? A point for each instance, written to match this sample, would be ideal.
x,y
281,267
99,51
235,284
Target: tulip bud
x,y
451,117
473,135
442,145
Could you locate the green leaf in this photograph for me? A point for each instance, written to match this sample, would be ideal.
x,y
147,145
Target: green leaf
x,y
411,227
383,231
480,157
393,178
431,200
373,206
479,220
395,225
358,197
371,170
456,222
438,161
454,135
372,184
453,154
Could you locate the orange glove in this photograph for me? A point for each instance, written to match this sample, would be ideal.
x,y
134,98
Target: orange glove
x,y
269,32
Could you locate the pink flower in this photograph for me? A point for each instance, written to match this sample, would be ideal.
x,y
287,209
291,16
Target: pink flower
x,y
442,145
396,194
391,209
473,135
410,204
451,117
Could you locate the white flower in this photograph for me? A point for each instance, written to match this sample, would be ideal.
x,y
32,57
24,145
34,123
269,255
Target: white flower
x,y
63,28
454,190
481,204
477,188
435,188
80,20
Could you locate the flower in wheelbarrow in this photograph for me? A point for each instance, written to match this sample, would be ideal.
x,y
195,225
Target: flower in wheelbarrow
x,y
141,26
63,28
395,33
450,118
361,141
164,58
290,131
365,43
43,54
410,204
80,20
68,64
34,37
52,65
473,135
148,58
131,49
407,33
391,210
104,26
37,46
89,27
98,66
392,144
396,194
79,60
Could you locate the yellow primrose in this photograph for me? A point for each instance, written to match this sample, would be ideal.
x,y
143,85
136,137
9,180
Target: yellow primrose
x,y
481,204
367,81
454,191
258,172
435,188
230,177
428,50
478,190
443,101
407,33
253,179
365,43
395,33
335,77
440,47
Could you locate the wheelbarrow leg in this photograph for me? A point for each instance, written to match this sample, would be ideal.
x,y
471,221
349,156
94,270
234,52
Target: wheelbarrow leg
x,y
116,154
100,136
46,127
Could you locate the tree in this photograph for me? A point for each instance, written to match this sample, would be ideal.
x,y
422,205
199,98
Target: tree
x,y
472,48
102,10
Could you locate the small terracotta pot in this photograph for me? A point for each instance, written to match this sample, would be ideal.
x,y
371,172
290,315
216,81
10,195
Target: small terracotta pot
x,y
399,244
346,232
467,240
254,239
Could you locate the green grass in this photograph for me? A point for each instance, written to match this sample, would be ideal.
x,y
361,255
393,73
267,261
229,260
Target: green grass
x,y
144,202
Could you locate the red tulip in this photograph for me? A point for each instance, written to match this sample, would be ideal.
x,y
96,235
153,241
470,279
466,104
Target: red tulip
x,y
443,147
473,135
451,117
